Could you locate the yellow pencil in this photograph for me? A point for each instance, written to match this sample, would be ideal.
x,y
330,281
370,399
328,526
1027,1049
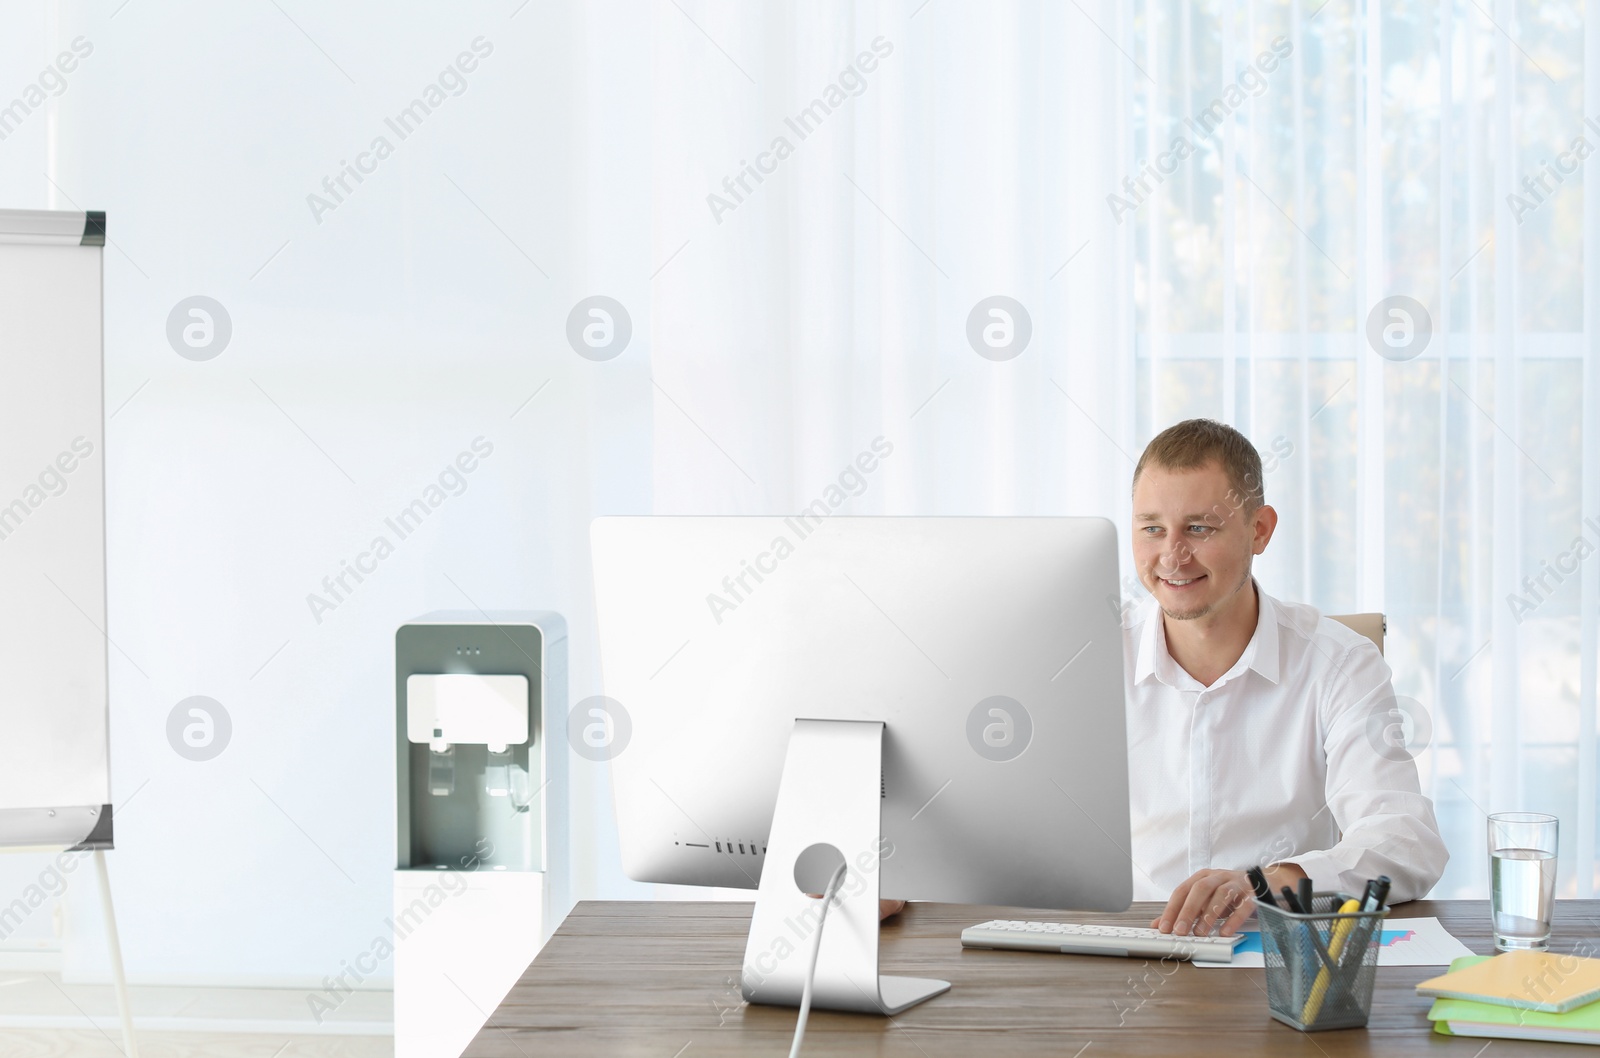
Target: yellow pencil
x,y
1319,988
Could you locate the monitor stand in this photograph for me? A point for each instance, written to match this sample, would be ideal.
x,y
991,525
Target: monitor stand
x,y
830,795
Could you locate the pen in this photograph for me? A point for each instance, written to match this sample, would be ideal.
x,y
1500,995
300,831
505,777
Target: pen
x,y
1290,902
1377,892
1319,990
1258,880
1306,897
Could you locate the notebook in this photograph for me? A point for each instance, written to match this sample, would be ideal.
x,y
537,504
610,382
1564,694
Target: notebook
x,y
1527,981
1460,1017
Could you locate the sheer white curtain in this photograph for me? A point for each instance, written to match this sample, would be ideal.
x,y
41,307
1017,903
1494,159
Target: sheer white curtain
x,y
1360,154
1385,157
830,304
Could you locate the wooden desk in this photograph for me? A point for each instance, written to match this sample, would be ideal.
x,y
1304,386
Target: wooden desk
x,y
661,979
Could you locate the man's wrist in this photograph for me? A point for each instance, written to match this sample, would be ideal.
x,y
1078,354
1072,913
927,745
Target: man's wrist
x,y
1282,874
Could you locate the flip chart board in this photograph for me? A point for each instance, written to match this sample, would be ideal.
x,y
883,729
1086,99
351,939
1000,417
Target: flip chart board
x,y
55,784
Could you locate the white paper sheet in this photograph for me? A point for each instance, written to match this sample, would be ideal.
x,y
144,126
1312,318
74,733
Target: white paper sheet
x,y
1406,942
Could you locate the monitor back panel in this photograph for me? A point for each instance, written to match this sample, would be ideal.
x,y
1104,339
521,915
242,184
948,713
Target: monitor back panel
x,y
990,647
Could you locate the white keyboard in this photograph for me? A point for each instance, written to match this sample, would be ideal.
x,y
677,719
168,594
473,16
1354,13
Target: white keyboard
x,y
1074,939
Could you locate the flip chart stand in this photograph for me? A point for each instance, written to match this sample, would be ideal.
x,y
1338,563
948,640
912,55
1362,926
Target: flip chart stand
x,y
130,1045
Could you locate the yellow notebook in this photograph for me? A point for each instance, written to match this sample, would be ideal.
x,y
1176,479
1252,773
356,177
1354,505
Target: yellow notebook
x,y
1528,980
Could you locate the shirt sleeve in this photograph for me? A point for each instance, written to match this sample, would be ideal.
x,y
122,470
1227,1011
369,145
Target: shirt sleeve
x,y
1387,825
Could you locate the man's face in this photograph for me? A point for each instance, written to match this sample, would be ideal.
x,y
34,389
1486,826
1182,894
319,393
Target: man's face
x,y
1193,540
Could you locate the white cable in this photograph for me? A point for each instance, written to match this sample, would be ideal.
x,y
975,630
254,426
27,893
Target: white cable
x,y
811,970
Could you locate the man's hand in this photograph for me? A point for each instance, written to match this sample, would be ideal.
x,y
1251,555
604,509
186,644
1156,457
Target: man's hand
x,y
1208,898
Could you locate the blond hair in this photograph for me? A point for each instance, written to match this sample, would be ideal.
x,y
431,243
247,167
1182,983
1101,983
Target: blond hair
x,y
1195,443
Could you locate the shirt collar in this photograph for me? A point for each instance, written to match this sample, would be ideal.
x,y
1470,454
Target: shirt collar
x,y
1152,641
1260,654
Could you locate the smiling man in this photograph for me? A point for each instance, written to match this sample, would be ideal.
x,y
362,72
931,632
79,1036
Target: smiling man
x,y
1249,739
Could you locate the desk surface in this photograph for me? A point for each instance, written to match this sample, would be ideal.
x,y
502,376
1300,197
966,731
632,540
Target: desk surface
x,y
660,979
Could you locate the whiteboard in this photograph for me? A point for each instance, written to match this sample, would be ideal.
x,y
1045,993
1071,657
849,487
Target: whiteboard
x,y
55,783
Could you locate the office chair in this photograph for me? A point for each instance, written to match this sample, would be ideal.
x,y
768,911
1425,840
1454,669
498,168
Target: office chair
x,y
1371,625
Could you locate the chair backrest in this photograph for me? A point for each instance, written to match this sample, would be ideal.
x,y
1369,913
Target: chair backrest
x,y
1371,625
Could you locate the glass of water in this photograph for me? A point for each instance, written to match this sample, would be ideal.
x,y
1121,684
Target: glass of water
x,y
1522,873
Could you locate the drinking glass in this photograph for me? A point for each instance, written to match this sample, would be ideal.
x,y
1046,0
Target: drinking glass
x,y
1522,878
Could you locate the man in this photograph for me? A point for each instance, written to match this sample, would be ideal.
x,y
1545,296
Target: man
x,y
1251,737
1255,727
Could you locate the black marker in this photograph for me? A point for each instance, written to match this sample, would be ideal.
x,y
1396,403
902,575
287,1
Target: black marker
x,y
1306,897
1380,891
1290,902
1258,880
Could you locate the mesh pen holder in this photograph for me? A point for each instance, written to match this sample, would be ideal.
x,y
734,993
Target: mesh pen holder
x,y
1320,966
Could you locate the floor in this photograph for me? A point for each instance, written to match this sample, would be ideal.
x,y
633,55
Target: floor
x,y
40,1016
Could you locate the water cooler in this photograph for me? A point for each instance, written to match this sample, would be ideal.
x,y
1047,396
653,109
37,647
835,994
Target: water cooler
x,y
480,770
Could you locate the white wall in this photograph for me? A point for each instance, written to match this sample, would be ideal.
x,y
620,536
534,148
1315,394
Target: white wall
x,y
367,351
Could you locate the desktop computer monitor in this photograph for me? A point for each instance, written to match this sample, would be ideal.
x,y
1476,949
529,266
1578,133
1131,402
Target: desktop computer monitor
x,y
980,659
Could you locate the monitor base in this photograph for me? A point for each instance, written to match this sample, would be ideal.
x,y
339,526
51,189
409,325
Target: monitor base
x,y
829,805
903,993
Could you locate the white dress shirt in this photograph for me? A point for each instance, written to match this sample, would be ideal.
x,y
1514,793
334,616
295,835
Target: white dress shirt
x,y
1275,762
